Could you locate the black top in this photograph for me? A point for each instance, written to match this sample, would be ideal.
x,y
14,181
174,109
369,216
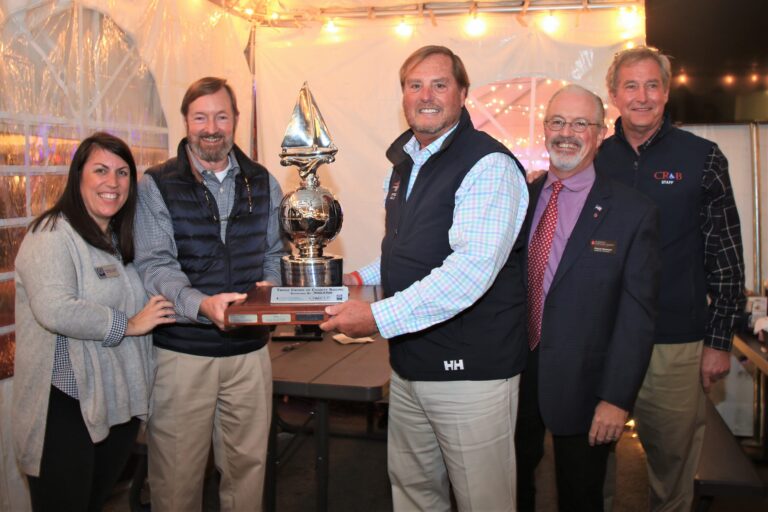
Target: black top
x,y
486,341
687,177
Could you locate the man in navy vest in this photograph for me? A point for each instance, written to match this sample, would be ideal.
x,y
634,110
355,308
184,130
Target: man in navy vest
x,y
454,312
206,231
702,279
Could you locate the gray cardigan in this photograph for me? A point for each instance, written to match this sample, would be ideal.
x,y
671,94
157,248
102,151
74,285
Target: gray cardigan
x,y
59,291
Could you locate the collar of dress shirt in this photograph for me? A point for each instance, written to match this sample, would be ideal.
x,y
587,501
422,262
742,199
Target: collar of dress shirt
x,y
202,171
575,183
412,146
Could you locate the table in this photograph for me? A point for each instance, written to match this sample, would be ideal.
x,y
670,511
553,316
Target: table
x,y
322,371
748,345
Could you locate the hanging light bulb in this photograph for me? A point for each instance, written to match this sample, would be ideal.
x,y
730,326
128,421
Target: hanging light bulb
x,y
549,23
403,29
330,27
629,19
475,26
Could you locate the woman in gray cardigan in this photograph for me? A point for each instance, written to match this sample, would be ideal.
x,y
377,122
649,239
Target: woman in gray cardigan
x,y
82,369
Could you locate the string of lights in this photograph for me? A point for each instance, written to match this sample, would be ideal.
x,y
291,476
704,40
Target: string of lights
x,y
728,79
629,22
277,13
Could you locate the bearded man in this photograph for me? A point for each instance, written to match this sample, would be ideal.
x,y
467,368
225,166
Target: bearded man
x,y
206,231
593,274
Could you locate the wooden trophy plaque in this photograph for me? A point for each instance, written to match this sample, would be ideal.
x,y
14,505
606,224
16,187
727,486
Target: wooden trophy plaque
x,y
258,308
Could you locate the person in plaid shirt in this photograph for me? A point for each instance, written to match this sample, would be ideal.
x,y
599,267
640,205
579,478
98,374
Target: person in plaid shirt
x,y
702,281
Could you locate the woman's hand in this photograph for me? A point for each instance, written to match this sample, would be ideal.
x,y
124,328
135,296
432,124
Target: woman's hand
x,y
156,312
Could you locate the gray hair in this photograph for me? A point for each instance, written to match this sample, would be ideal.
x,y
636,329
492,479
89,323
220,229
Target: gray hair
x,y
633,56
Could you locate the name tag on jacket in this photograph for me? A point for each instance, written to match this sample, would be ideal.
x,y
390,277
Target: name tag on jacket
x,y
107,271
604,246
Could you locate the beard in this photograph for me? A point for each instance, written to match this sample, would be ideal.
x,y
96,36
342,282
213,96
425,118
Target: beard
x,y
566,162
211,151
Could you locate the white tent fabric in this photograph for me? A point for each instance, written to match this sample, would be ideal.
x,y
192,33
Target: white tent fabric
x,y
181,41
353,75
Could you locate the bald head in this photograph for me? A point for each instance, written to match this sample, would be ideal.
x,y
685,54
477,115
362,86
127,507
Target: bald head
x,y
573,89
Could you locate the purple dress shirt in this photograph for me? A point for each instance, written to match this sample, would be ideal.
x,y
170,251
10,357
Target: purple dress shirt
x,y
569,204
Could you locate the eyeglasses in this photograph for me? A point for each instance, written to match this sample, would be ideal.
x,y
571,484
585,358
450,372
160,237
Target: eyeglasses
x,y
579,125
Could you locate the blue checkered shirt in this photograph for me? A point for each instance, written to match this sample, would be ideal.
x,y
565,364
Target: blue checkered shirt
x,y
490,206
63,377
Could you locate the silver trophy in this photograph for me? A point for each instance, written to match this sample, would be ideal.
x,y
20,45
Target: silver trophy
x,y
310,216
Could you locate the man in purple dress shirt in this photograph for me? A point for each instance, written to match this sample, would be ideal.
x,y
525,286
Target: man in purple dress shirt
x,y
593,269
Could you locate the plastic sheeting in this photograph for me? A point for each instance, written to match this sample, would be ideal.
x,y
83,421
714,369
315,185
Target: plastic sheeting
x,y
182,40
177,42
68,71
353,75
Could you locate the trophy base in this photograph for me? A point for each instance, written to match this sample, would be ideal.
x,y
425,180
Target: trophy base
x,y
322,271
258,308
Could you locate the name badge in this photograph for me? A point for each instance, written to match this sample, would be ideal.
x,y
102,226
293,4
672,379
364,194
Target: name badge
x,y
107,271
604,246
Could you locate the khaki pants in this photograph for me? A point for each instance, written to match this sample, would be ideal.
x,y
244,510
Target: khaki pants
x,y
670,416
457,431
197,400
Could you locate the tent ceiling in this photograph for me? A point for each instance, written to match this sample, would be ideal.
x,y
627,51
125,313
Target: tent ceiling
x,y
288,12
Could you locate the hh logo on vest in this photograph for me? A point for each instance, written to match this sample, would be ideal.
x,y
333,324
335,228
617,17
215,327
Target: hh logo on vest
x,y
668,177
394,188
454,365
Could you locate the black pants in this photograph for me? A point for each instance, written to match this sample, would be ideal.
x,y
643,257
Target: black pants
x,y
580,468
76,474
